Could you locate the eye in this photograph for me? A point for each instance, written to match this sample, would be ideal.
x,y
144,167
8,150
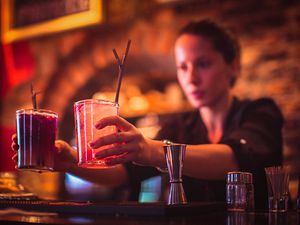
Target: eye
x,y
182,67
204,64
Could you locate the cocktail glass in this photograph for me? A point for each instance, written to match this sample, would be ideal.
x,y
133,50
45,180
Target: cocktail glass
x,y
87,113
36,133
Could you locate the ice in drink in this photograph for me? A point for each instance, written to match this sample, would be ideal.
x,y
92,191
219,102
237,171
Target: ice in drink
x,y
36,133
87,113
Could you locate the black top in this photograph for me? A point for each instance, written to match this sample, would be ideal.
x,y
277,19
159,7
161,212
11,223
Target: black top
x,y
252,129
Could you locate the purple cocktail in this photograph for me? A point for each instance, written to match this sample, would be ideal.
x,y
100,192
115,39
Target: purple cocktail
x,y
36,133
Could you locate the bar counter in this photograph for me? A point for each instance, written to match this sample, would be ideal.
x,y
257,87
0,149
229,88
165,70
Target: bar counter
x,y
143,214
221,218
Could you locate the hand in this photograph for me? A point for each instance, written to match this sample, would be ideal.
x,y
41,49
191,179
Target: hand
x,y
128,144
15,147
64,156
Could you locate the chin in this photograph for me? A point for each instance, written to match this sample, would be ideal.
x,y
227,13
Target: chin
x,y
197,103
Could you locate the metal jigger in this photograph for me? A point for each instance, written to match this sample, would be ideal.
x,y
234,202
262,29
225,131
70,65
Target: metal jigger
x,y
174,156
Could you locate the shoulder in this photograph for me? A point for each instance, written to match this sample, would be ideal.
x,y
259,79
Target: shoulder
x,y
261,103
261,106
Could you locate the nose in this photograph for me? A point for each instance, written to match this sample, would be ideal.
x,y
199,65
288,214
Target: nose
x,y
193,75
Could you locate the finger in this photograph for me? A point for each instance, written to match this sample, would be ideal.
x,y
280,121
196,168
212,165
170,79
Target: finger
x,y
116,150
118,121
14,138
61,145
118,137
120,159
15,157
65,151
14,147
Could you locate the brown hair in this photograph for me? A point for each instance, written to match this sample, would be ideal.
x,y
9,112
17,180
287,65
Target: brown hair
x,y
222,39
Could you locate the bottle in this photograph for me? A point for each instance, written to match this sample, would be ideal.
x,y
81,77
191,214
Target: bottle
x,y
239,191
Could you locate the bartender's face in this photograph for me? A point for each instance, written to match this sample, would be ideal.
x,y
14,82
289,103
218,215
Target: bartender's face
x,y
201,70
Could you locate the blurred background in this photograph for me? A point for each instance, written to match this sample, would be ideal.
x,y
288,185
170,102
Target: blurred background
x,y
64,48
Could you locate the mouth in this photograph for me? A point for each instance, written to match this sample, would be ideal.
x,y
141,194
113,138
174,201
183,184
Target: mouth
x,y
197,94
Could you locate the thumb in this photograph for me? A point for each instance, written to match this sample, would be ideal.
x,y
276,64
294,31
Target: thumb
x,y
61,145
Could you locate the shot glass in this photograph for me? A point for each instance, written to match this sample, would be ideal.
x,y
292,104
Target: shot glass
x,y
36,133
278,182
87,113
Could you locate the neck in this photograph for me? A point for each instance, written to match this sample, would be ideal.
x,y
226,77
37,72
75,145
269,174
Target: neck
x,y
214,115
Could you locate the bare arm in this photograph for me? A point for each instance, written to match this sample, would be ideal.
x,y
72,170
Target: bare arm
x,y
211,161
208,161
65,161
112,177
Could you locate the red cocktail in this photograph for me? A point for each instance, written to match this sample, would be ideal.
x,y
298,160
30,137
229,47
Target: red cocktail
x,y
36,133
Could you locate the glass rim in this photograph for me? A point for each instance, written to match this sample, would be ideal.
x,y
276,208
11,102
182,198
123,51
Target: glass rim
x,y
281,167
52,113
97,101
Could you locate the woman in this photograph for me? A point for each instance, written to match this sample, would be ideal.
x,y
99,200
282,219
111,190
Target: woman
x,y
222,134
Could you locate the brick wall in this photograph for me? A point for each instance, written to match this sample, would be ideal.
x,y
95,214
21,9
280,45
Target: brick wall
x,y
76,64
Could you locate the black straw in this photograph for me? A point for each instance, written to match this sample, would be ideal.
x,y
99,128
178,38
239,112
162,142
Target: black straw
x,y
33,96
121,68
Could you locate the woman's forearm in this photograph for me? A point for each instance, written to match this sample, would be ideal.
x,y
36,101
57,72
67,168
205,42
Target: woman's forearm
x,y
210,161
66,161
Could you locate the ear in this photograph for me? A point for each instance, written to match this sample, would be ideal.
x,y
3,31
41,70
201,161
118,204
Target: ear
x,y
235,68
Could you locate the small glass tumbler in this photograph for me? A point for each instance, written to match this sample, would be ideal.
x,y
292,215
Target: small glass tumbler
x,y
239,191
278,182
235,192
